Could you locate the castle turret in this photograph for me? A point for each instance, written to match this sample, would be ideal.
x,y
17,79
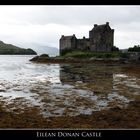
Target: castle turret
x,y
95,25
67,43
101,38
107,23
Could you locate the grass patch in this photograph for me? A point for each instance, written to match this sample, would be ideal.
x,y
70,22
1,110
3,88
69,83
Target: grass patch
x,y
81,54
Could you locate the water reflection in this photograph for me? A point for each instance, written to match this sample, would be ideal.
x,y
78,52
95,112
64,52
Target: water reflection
x,y
102,78
91,75
67,89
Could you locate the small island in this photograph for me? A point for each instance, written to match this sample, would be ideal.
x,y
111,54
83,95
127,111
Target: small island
x,y
99,47
9,49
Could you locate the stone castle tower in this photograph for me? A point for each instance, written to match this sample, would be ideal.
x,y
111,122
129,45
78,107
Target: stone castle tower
x,y
101,39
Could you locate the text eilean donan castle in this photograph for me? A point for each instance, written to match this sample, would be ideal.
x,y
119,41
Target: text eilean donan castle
x,y
101,39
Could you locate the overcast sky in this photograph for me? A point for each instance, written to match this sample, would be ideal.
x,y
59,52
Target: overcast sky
x,y
43,25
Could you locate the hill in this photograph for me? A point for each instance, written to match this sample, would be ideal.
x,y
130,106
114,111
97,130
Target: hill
x,y
52,51
14,50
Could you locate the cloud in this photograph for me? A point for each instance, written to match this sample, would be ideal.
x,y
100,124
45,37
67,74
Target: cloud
x,y
44,25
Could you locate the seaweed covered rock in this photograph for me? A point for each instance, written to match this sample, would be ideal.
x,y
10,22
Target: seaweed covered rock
x,y
34,58
44,55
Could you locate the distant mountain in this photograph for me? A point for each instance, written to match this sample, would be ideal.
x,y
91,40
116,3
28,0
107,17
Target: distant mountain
x,y
12,49
124,50
51,51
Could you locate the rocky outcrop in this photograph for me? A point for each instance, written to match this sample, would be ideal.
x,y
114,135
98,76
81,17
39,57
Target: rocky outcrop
x,y
73,60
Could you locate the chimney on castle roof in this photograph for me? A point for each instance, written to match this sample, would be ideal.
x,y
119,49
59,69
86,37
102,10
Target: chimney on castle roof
x,y
95,25
74,35
107,23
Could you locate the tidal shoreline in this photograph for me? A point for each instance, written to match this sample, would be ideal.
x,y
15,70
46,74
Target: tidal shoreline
x,y
113,118
36,95
39,59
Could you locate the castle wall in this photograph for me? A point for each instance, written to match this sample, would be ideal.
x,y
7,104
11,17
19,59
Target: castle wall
x,y
73,43
67,43
101,39
83,44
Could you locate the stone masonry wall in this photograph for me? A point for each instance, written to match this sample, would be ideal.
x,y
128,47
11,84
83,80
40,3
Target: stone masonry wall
x,y
101,39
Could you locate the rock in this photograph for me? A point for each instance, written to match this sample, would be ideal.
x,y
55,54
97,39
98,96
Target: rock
x,y
116,108
135,103
34,58
79,82
44,55
92,58
37,58
2,89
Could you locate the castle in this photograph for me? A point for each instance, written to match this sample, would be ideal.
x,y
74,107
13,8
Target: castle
x,y
101,39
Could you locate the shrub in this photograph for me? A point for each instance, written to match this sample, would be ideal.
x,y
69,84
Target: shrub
x,y
124,55
81,54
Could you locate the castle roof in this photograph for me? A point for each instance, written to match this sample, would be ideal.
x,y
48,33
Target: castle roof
x,y
101,27
68,37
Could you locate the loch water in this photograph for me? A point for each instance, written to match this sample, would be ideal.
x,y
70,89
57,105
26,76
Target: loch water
x,y
65,89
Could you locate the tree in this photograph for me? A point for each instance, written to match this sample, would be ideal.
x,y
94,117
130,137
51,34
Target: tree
x,y
115,49
136,48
